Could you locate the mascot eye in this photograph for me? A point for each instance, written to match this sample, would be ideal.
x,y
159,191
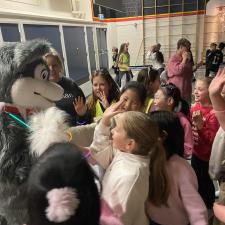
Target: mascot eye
x,y
44,74
41,72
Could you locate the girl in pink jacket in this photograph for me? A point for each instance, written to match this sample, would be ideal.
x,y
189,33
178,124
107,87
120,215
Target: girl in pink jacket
x,y
184,204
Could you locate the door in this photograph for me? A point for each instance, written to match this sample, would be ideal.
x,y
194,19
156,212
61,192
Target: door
x,y
91,48
102,47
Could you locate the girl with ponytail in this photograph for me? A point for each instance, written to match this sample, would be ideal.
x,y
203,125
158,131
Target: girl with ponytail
x,y
168,98
125,151
183,204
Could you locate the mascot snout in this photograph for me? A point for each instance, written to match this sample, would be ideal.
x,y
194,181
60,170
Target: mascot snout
x,y
36,93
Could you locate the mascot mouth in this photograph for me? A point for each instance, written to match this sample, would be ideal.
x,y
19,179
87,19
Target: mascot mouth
x,y
36,93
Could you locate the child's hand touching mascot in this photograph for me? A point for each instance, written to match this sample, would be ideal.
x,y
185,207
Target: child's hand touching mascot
x,y
24,88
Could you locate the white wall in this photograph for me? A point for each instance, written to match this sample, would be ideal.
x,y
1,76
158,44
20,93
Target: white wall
x,y
60,9
131,31
201,30
166,31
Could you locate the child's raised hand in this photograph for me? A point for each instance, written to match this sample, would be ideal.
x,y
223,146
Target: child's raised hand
x,y
198,120
103,99
217,83
112,111
79,106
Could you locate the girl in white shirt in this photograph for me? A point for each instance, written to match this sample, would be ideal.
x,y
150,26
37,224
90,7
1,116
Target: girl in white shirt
x,y
126,160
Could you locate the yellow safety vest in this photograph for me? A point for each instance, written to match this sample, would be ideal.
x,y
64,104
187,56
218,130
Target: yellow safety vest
x,y
98,108
148,104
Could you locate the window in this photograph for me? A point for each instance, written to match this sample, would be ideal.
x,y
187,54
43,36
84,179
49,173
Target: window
x,y
175,8
10,32
190,7
48,32
162,2
149,3
162,10
175,2
76,53
149,11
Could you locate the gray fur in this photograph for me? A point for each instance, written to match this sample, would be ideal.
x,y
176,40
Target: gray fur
x,y
14,57
15,158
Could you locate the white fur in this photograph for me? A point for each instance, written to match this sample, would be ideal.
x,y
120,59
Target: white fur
x,y
23,89
63,203
47,127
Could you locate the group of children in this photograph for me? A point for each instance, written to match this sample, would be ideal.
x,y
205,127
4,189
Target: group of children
x,y
141,137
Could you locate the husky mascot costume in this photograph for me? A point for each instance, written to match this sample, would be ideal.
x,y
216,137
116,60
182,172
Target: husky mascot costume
x,y
24,88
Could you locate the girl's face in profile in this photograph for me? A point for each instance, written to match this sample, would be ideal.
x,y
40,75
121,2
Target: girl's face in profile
x,y
160,101
201,92
119,136
125,48
131,101
100,86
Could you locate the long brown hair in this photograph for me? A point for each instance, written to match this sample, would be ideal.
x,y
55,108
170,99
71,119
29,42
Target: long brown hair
x,y
114,91
145,132
122,46
147,75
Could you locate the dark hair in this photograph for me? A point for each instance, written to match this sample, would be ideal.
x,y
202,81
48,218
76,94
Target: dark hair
x,y
171,131
213,44
183,42
159,57
221,45
147,75
63,165
170,90
138,88
114,92
115,49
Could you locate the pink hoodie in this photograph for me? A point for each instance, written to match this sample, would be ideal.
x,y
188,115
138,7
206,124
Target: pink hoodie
x,y
181,75
188,137
108,217
185,205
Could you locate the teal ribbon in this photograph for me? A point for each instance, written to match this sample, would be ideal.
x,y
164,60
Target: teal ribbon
x,y
18,120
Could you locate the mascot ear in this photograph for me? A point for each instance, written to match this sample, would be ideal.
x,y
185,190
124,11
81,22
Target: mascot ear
x,y
27,52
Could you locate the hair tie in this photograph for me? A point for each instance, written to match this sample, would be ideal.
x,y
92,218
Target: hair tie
x,y
63,203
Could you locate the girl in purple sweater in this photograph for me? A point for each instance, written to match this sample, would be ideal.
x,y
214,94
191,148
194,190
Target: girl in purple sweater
x,y
184,204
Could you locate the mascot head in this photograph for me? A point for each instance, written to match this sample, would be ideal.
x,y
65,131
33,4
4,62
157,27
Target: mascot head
x,y
24,75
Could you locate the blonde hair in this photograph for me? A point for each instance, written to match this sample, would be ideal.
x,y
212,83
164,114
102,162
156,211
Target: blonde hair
x,y
145,132
55,54
206,80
